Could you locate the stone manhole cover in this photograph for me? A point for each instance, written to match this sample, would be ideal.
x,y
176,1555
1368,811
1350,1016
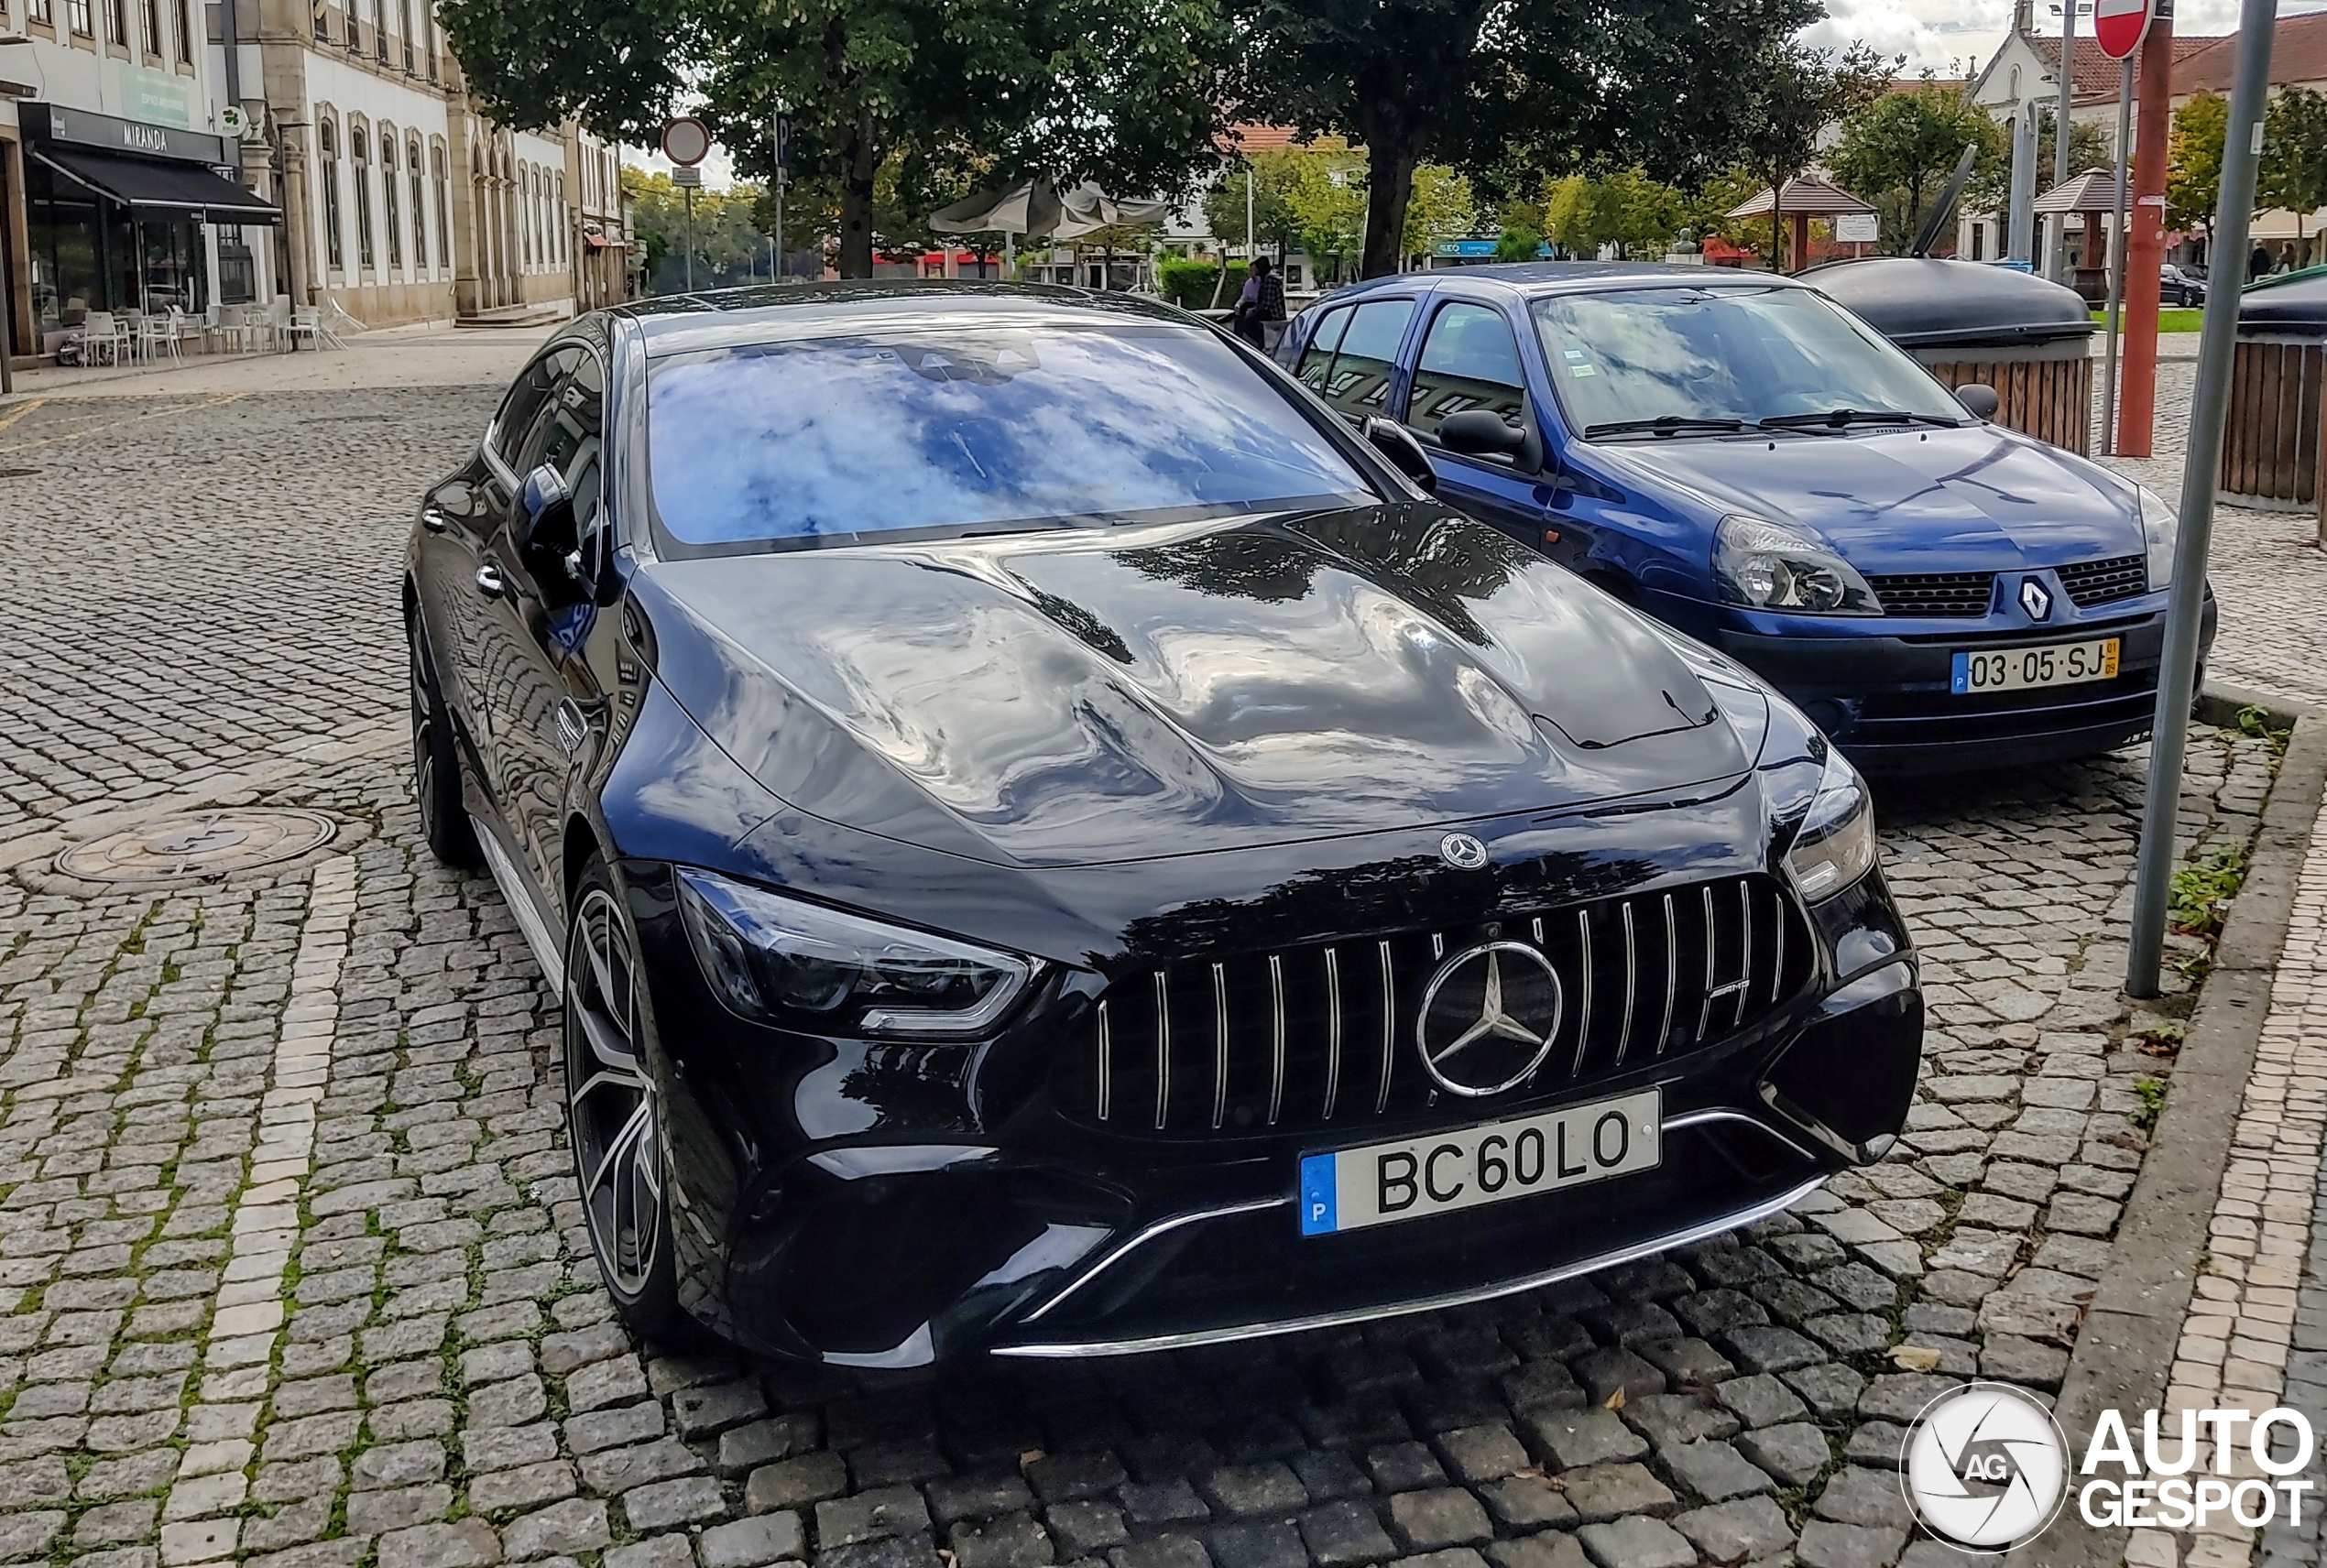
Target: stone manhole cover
x,y
202,843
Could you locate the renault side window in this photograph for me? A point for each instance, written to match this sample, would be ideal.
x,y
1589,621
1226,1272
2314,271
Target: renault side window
x,y
1358,383
1470,359
1317,360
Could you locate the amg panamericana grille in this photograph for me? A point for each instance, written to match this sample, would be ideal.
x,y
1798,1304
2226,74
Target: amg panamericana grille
x,y
1316,1037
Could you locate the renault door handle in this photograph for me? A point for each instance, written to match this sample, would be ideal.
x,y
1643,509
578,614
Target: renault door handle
x,y
490,583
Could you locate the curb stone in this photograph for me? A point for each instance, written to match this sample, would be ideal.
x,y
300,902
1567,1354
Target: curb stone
x,y
2124,1349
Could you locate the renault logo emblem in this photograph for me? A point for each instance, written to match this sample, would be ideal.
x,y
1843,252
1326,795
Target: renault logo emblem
x,y
1462,851
1488,1018
2034,600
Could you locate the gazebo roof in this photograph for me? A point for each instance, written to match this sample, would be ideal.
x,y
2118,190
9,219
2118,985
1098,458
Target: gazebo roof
x,y
1808,196
2094,190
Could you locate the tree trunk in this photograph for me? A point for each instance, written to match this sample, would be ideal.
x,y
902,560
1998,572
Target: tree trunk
x,y
1389,184
856,201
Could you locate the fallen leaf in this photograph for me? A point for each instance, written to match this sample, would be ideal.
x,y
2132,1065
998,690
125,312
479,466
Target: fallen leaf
x,y
1028,1457
1914,1357
1532,1472
1614,1401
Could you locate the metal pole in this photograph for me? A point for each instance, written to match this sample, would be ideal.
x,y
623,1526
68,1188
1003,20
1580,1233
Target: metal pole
x,y
2242,149
1248,218
690,189
2056,246
2117,258
780,185
2145,235
2023,176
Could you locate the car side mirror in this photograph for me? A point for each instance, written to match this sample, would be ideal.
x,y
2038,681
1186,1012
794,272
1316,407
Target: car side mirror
x,y
1394,441
1481,432
1979,400
546,536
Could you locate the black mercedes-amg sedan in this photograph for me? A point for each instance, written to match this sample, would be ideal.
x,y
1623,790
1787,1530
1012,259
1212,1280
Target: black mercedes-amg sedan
x,y
1052,844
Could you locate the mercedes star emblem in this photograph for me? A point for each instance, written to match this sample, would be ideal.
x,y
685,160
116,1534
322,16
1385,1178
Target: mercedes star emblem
x,y
1462,851
1488,1018
2034,600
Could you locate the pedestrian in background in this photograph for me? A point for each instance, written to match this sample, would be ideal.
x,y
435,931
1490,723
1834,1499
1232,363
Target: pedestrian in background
x,y
2258,264
1260,305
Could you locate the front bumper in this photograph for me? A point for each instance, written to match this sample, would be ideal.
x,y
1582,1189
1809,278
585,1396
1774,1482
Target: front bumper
x,y
1885,698
968,1215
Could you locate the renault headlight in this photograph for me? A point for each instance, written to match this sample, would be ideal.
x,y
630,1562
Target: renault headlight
x,y
1783,566
2160,529
781,960
1836,844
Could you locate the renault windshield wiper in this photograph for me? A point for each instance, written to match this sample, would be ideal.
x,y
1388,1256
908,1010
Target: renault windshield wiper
x,y
1837,418
1662,425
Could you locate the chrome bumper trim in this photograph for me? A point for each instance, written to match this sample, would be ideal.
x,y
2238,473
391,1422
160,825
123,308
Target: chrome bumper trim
x,y
1076,1349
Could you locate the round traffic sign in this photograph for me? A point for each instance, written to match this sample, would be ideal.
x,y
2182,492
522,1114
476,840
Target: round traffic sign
x,y
686,140
2118,25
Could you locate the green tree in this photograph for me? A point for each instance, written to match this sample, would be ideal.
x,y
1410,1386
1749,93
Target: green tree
x,y
1623,208
1554,85
2193,162
1126,91
1271,174
1899,150
1800,92
1327,199
2294,157
1442,207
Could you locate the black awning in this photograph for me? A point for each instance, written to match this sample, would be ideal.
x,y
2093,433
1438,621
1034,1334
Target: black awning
x,y
183,189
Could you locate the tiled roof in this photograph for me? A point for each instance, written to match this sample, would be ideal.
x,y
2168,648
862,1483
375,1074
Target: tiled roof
x,y
2096,74
1275,139
2298,54
1806,195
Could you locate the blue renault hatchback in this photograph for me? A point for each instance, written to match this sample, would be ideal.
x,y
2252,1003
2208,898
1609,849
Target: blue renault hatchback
x,y
1747,462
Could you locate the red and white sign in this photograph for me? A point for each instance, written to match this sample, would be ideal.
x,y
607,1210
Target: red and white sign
x,y
686,140
2118,25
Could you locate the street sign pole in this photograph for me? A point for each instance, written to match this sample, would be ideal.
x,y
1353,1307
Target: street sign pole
x,y
2117,258
2217,346
2056,248
690,189
2146,237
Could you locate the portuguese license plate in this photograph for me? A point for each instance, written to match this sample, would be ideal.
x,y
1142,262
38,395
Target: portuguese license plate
x,y
1380,1183
2018,669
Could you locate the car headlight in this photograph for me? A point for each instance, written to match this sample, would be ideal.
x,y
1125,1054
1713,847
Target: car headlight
x,y
2159,529
1836,844
1781,566
782,961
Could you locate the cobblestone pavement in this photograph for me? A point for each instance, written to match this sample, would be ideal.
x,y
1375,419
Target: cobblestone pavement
x,y
2268,573
291,1270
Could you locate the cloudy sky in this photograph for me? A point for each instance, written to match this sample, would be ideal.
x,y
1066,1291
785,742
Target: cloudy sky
x,y
1947,35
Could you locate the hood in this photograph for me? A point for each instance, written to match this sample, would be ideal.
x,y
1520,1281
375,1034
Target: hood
x,y
1081,697
1977,497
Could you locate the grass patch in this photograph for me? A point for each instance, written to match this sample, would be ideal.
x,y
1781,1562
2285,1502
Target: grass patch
x,y
2168,320
2255,721
2201,889
2152,1092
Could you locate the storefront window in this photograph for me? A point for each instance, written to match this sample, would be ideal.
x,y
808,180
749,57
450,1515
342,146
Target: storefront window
x,y
360,167
87,254
390,207
237,267
332,250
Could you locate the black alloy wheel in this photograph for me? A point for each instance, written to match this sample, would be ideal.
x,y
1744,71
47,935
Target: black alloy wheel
x,y
436,765
611,1108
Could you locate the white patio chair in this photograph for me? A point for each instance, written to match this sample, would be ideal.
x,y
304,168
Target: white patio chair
x,y
158,336
132,334
100,339
304,323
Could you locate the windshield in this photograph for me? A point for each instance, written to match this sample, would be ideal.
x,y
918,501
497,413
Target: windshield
x,y
1729,356
978,426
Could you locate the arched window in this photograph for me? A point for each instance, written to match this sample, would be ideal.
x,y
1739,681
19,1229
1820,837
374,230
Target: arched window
x,y
419,221
360,167
392,203
327,139
444,208
565,223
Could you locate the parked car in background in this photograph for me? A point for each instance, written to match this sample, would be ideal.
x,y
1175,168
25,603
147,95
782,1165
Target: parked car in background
x,y
2181,286
1050,845
1747,462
